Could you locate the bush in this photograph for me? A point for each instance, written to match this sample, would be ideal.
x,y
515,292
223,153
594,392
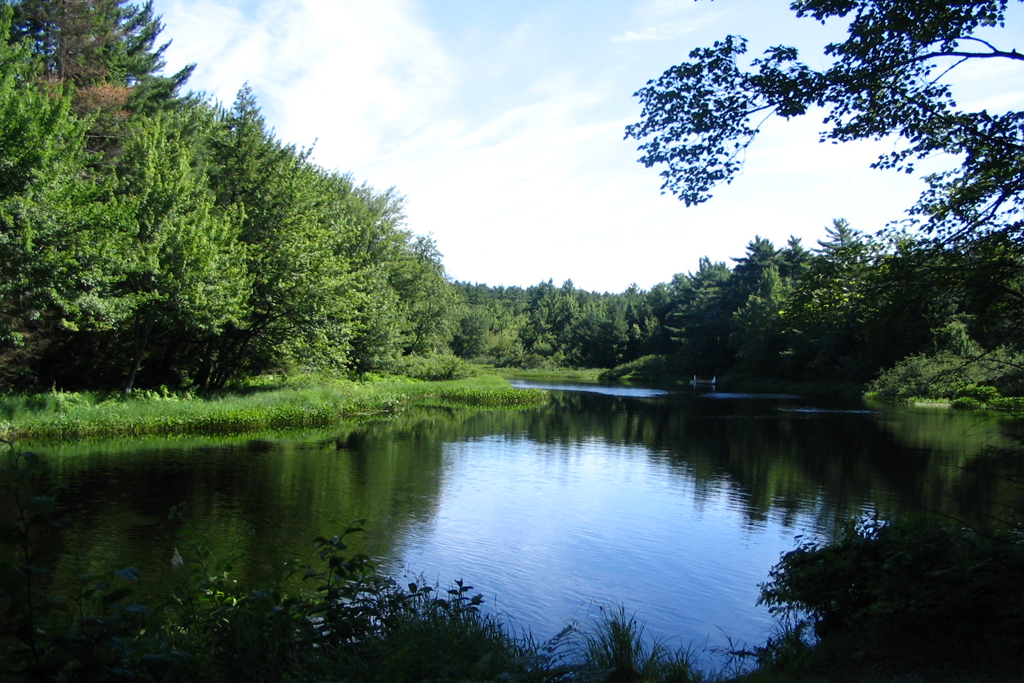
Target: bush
x,y
434,368
649,368
966,403
949,375
917,590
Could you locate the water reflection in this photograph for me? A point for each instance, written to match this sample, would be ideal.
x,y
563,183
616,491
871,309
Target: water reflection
x,y
590,387
668,502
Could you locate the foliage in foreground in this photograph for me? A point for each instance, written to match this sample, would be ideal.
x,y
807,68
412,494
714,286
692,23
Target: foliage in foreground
x,y
889,77
914,594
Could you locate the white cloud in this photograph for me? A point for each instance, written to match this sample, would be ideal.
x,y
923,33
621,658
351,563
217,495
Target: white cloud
x,y
368,73
665,31
506,135
667,20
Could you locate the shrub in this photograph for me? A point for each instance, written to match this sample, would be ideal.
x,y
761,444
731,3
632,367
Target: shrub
x,y
981,394
910,590
650,368
966,403
434,368
947,375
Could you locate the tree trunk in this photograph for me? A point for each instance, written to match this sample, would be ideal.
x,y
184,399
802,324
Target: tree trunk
x,y
141,341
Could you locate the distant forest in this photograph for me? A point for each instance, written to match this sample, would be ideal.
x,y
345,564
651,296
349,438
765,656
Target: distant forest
x,y
153,238
846,310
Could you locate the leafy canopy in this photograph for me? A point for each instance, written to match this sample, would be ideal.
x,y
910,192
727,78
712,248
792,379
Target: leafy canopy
x,y
889,77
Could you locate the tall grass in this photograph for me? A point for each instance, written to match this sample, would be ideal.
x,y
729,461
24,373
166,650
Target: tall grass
x,y
614,650
303,402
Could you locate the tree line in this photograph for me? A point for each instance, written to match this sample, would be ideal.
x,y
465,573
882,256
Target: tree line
x,y
153,238
150,237
847,309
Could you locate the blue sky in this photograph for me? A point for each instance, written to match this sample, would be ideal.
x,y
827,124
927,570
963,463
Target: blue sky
x,y
502,124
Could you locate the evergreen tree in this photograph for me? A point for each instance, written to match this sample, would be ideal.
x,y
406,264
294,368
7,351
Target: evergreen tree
x,y
106,48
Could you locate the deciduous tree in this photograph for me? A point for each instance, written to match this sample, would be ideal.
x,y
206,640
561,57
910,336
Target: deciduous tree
x,y
890,77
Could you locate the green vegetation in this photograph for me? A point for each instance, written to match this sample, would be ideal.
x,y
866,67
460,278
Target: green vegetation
x,y
267,403
553,373
159,247
855,309
152,238
959,370
858,305
914,596
890,599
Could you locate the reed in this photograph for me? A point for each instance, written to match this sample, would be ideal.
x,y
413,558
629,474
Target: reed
x,y
259,404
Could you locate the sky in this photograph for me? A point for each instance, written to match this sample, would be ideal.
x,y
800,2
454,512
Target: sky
x,y
501,123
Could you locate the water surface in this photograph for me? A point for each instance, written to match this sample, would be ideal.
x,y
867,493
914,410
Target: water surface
x,y
672,504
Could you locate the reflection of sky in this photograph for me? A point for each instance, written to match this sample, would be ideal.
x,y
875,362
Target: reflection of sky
x,y
633,392
549,532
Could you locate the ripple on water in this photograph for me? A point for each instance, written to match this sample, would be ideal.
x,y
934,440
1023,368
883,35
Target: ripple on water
x,y
554,539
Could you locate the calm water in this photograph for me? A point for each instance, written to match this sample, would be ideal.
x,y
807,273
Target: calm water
x,y
673,504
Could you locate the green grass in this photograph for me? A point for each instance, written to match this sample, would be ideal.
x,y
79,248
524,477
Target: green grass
x,y
1013,405
614,649
575,374
657,368
259,404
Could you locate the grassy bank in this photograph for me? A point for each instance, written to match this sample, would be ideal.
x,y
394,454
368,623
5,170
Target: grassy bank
x,y
265,403
557,374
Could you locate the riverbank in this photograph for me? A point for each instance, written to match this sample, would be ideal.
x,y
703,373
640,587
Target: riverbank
x,y
263,403
665,371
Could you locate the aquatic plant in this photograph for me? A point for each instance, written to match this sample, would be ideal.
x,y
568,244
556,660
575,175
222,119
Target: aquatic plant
x,y
257,405
615,650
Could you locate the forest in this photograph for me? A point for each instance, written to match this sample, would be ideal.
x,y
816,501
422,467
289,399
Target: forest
x,y
151,237
156,244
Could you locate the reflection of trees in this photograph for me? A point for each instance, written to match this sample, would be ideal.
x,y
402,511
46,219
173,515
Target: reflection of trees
x,y
270,496
791,463
266,498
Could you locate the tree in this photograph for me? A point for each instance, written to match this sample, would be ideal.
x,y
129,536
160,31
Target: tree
x,y
888,78
755,334
52,229
429,301
699,319
294,223
748,272
184,271
106,48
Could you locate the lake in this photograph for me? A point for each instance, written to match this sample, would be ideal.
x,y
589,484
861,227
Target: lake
x,y
672,504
